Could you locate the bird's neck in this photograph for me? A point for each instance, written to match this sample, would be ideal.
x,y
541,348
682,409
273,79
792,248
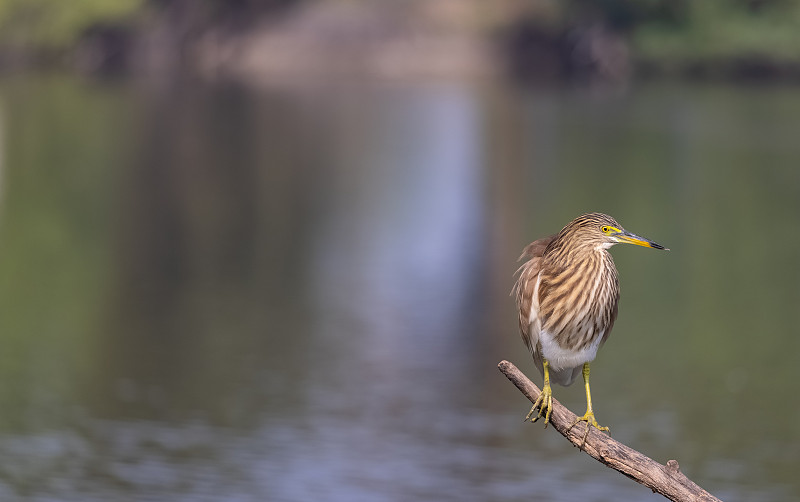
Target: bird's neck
x,y
570,256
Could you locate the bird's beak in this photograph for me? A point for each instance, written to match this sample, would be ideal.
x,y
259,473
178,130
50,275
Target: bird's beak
x,y
630,238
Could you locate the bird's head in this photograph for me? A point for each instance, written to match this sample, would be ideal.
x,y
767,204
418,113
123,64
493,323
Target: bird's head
x,y
601,231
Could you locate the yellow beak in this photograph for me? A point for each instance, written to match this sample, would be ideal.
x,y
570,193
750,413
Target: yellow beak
x,y
630,238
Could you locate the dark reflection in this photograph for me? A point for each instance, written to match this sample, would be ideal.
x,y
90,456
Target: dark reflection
x,y
185,238
214,215
217,292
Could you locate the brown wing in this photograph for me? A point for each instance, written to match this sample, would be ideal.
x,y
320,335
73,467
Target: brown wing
x,y
536,248
523,291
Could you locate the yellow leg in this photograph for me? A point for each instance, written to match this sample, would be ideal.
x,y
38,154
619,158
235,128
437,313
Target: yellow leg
x,y
545,400
588,417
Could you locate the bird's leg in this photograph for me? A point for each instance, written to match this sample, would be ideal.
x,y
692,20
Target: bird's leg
x,y
545,400
588,417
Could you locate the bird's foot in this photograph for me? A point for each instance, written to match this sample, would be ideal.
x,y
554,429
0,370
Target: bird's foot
x,y
545,405
588,417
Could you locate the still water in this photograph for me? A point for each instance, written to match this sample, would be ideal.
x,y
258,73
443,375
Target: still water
x,y
217,292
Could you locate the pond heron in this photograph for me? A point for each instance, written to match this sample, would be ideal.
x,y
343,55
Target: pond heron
x,y
567,293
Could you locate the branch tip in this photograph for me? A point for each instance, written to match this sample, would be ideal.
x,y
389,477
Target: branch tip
x,y
664,479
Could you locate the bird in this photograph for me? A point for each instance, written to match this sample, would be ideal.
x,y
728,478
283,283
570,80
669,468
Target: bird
x,y
567,294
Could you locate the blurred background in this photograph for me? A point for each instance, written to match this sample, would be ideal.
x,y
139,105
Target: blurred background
x,y
262,250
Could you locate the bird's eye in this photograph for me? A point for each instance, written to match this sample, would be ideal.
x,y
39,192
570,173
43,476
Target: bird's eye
x,y
605,230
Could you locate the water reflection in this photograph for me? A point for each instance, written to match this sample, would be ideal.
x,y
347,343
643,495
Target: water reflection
x,y
400,255
213,293
399,265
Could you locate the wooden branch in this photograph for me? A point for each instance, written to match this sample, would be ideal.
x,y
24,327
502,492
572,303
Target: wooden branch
x,y
667,480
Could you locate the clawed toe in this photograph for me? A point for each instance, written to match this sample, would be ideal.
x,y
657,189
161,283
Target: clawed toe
x,y
588,417
544,404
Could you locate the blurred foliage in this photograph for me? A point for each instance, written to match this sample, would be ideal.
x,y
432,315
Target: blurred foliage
x,y
731,38
55,23
681,31
675,31
667,33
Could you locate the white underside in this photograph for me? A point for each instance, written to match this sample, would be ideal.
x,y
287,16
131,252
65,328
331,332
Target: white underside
x,y
565,359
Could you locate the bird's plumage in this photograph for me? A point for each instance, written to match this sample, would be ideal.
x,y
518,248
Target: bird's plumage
x,y
567,294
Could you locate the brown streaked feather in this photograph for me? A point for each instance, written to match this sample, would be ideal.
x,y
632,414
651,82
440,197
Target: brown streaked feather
x,y
586,293
523,292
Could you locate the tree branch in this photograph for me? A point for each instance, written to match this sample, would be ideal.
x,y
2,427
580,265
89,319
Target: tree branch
x,y
667,480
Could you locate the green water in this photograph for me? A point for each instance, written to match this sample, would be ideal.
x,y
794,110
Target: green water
x,y
217,292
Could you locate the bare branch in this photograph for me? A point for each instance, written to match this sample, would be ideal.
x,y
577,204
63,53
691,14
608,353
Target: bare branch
x,y
667,480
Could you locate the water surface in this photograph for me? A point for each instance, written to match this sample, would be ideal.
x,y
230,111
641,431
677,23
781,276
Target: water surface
x,y
216,292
